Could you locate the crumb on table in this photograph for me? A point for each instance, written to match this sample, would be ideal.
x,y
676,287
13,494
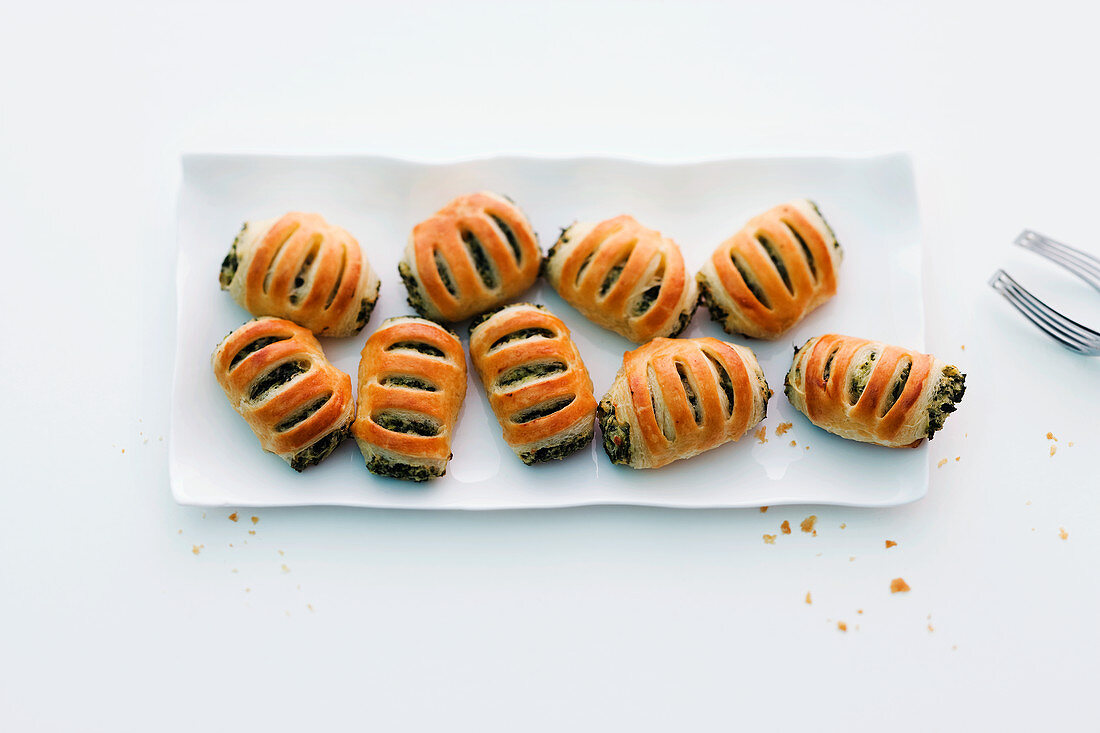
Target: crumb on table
x,y
898,585
890,543
763,509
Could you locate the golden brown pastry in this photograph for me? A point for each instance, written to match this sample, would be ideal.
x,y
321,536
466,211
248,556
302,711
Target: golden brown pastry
x,y
276,376
412,380
535,380
871,391
624,277
675,398
301,268
474,254
763,280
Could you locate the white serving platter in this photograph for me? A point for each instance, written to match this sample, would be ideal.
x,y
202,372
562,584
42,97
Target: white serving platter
x,y
871,203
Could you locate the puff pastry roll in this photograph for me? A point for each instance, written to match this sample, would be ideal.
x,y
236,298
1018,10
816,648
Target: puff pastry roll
x,y
535,380
412,381
301,268
765,278
276,376
675,398
474,254
624,277
871,391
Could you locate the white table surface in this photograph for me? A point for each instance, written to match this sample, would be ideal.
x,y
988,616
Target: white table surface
x,y
599,618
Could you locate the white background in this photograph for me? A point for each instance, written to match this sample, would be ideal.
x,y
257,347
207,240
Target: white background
x,y
588,619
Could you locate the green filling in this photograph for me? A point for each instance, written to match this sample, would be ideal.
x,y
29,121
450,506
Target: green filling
x,y
405,471
612,277
254,347
320,449
522,335
277,377
490,313
765,392
829,366
689,392
773,255
948,393
415,298
858,382
724,381
796,370
836,242
510,236
302,413
418,346
554,452
542,410
366,307
530,371
404,380
805,248
400,423
750,282
643,303
231,262
899,387
616,433
718,314
682,323
444,274
563,238
481,260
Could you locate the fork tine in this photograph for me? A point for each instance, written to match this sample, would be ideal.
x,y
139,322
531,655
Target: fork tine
x,y
1081,264
1053,327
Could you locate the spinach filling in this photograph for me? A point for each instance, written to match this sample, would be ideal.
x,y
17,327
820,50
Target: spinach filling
x,y
724,382
253,347
765,392
415,298
275,378
530,371
555,452
777,261
750,281
836,242
805,248
718,314
829,365
948,393
300,415
319,450
612,277
616,433
418,346
404,380
542,409
477,321
231,262
644,303
858,381
510,236
522,335
898,388
300,278
405,471
480,259
682,323
444,274
366,307
689,392
405,423
563,238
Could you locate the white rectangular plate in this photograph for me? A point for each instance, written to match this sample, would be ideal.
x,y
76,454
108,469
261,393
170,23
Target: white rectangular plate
x,y
870,202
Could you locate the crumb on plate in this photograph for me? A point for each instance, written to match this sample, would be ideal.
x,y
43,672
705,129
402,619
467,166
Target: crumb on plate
x,y
769,539
762,434
942,463
785,528
783,427
890,543
808,523
1063,533
842,626
808,599
233,517
898,585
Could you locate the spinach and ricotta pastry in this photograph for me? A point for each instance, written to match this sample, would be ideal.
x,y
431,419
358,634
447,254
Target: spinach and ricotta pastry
x,y
278,379
477,252
412,381
765,278
537,385
675,398
872,392
624,277
301,268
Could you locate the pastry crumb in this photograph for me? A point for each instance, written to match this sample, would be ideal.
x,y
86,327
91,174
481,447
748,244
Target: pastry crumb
x,y
1053,450
963,347
842,626
942,463
1063,533
251,531
851,558
898,585
1050,436
763,509
233,517
785,528
807,447
180,532
859,610
285,568
769,539
281,552
233,570
930,627
958,458
808,523
890,543
782,428
762,434
255,520
793,443
808,599
196,549
310,606
1070,444
844,525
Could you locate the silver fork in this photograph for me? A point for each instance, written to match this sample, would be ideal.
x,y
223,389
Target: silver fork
x,y
1067,332
1081,264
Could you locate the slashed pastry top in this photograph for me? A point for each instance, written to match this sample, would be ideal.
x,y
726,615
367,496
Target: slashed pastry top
x,y
871,391
765,278
535,380
276,376
412,382
301,268
675,398
474,254
623,276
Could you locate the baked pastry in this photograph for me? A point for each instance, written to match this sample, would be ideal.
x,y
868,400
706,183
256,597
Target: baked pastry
x,y
412,380
301,268
675,398
535,380
276,376
476,253
871,391
624,277
781,265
